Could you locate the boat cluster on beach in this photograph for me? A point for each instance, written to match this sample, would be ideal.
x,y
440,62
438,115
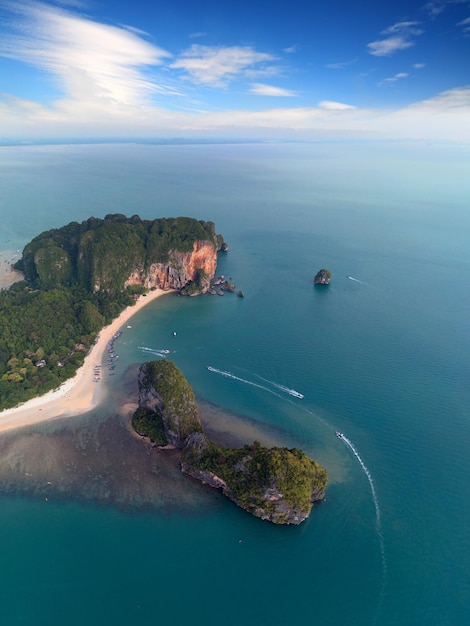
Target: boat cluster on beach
x,y
112,356
97,373
112,359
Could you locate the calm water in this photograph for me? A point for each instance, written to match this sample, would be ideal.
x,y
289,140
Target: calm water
x,y
383,358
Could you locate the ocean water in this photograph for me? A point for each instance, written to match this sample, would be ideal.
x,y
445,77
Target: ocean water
x,y
96,530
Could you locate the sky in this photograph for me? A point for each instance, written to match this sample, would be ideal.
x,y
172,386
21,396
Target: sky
x,y
246,70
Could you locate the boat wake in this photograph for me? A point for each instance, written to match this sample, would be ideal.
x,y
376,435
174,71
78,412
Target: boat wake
x,y
378,522
291,392
241,380
161,353
356,280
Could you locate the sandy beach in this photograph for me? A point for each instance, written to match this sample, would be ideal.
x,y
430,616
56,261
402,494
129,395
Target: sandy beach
x,y
8,275
79,394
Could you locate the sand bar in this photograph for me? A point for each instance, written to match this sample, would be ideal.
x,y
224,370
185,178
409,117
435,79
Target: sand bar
x,y
78,394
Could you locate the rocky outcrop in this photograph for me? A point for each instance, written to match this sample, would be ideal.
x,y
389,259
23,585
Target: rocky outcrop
x,y
275,484
197,266
164,391
322,277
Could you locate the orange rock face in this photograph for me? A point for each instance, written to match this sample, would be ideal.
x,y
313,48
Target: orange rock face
x,y
181,268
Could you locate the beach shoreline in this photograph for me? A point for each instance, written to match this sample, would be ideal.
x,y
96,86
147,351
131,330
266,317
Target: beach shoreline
x,y
78,394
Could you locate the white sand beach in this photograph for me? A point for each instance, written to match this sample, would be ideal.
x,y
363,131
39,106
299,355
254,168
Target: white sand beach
x,y
79,394
8,275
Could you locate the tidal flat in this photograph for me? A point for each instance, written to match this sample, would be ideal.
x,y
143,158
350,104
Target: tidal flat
x,y
98,458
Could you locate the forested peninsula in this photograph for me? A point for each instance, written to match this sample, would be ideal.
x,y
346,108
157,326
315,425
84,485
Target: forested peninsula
x,y
280,485
78,278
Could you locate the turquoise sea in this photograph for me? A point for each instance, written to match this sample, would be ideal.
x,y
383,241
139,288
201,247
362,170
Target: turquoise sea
x,y
95,528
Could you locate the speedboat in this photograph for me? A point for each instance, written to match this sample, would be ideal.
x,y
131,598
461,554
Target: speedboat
x,y
339,435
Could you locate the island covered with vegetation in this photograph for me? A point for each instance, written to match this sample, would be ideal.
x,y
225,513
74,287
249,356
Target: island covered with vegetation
x,y
322,277
276,484
80,277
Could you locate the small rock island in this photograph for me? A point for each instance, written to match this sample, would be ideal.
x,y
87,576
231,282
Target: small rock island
x,y
280,485
322,277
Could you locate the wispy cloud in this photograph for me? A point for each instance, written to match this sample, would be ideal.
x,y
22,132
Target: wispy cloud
x,y
341,65
465,24
217,66
260,89
399,36
89,60
419,66
393,79
290,49
331,105
436,7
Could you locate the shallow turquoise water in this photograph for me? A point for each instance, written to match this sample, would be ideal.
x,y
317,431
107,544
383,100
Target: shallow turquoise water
x,y
381,358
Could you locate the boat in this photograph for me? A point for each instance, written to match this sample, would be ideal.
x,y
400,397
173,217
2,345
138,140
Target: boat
x,y
339,435
294,393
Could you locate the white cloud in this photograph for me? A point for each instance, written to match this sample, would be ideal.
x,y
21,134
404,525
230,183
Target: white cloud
x,y
290,49
400,38
403,27
436,7
261,89
419,66
393,79
217,66
444,117
90,61
465,24
385,47
330,105
450,101
340,65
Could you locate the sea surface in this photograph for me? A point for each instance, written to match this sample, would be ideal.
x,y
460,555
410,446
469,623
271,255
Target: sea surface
x,y
96,530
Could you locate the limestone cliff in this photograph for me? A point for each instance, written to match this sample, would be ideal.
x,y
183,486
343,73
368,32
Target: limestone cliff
x,y
105,256
198,266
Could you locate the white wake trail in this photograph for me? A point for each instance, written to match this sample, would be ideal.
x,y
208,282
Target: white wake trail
x,y
378,521
242,380
356,280
161,353
291,392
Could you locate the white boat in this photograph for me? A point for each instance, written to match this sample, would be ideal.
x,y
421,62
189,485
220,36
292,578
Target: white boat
x,y
339,435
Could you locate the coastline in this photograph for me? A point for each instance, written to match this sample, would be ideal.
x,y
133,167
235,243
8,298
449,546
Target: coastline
x,y
78,394
8,275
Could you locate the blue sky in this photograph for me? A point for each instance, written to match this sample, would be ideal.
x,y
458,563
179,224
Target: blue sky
x,y
248,70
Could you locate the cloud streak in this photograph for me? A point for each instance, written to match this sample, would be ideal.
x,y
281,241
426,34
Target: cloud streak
x,y
399,36
393,79
260,89
89,61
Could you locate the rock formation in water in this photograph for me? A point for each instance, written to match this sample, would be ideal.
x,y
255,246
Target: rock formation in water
x,y
322,277
276,484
